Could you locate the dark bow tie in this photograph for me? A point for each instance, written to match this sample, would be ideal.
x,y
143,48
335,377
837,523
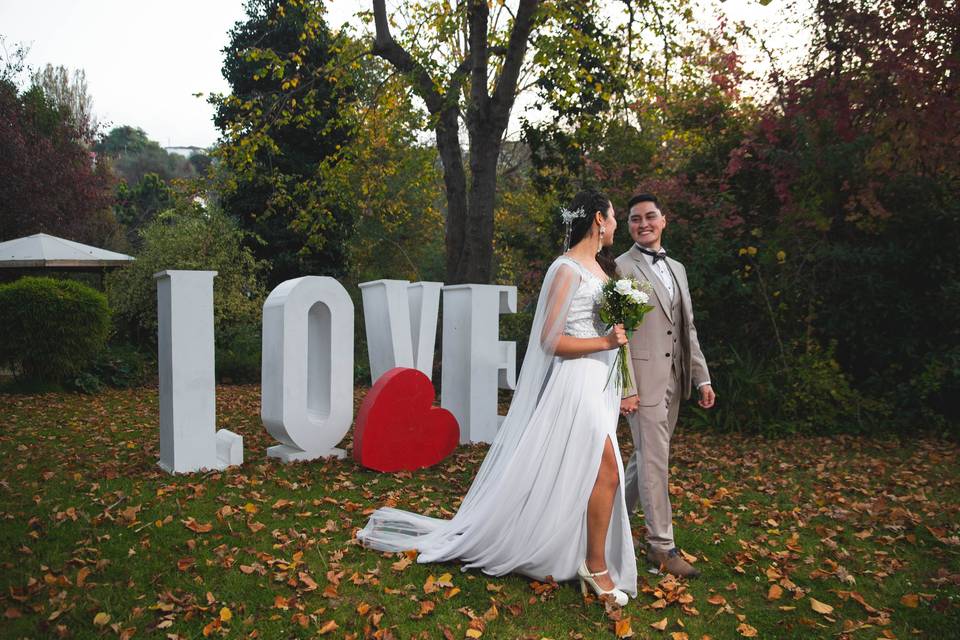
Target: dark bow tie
x,y
656,255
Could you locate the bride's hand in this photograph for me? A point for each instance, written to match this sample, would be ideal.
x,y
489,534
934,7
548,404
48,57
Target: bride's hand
x,y
618,337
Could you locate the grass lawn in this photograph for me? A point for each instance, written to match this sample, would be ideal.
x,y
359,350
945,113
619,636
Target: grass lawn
x,y
844,537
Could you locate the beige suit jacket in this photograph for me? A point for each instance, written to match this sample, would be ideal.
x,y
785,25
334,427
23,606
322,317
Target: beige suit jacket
x,y
651,345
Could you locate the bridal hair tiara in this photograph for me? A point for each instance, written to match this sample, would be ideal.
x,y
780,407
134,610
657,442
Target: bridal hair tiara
x,y
568,217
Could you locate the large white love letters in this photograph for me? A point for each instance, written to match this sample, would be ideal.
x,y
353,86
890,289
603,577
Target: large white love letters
x,y
307,361
401,323
189,440
475,361
307,367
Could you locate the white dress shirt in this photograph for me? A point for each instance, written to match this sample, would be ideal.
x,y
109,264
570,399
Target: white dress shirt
x,y
662,270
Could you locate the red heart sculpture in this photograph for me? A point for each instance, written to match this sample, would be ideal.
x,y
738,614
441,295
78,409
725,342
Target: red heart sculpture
x,y
398,428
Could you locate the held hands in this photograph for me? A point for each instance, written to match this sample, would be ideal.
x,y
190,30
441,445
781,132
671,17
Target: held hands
x,y
617,338
707,396
629,405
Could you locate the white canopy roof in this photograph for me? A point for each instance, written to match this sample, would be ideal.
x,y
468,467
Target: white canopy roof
x,y
43,250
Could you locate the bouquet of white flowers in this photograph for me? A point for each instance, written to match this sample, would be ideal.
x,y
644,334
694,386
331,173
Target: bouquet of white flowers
x,y
624,301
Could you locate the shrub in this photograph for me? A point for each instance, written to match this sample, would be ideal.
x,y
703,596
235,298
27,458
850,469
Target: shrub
x,y
190,236
937,388
52,329
238,354
817,396
85,382
804,391
117,366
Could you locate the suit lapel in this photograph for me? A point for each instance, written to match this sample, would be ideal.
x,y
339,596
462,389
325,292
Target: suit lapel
x,y
683,289
681,285
663,297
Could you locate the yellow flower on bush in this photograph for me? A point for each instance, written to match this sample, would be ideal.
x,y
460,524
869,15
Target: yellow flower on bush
x,y
781,255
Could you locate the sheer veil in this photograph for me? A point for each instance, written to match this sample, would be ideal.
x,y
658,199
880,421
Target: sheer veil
x,y
489,498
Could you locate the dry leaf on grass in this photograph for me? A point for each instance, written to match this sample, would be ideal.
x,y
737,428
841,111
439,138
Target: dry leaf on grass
x,y
820,607
197,527
328,626
622,628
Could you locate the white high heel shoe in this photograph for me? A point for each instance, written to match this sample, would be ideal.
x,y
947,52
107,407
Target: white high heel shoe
x,y
587,578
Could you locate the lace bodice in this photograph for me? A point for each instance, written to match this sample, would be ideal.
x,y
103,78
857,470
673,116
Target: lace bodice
x,y
583,319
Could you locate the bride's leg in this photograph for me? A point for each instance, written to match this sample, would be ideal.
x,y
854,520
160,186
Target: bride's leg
x,y
599,511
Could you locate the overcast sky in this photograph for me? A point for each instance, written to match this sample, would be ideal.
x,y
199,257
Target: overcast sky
x,y
145,60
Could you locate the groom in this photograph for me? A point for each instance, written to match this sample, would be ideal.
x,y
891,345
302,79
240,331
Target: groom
x,y
667,363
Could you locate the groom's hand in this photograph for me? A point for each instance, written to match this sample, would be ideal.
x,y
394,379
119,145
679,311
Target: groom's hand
x,y
629,405
707,396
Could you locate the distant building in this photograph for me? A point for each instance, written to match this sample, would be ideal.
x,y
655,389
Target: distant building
x,y
186,152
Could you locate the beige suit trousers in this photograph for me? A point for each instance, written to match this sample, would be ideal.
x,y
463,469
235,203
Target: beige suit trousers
x,y
646,477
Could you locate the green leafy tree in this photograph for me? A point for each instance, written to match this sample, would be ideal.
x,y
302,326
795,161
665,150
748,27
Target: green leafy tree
x,y
606,78
67,92
843,195
124,139
138,205
189,236
386,177
279,124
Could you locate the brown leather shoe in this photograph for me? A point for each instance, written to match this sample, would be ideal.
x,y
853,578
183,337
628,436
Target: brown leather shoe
x,y
672,562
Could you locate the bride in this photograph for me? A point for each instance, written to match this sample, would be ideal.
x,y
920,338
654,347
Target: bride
x,y
548,498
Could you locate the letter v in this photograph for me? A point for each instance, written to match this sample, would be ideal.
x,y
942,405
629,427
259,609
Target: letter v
x,y
401,324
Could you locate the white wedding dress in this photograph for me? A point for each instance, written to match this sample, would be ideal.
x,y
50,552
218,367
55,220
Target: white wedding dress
x,y
526,510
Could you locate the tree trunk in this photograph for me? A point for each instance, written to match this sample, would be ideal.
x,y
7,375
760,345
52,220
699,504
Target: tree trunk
x,y
469,220
470,207
476,258
455,183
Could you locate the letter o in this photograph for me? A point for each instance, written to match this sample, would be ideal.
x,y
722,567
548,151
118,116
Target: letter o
x,y
307,368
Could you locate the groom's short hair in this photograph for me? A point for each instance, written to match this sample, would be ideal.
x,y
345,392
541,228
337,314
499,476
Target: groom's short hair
x,y
643,197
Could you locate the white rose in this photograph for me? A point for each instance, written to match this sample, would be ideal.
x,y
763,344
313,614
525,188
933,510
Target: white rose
x,y
623,287
639,297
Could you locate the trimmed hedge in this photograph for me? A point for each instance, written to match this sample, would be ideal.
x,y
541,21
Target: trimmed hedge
x,y
52,329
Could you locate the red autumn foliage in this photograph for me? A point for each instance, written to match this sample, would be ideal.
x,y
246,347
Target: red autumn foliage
x,y
51,183
879,101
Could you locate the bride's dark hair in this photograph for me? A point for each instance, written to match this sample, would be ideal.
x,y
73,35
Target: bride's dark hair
x,y
591,201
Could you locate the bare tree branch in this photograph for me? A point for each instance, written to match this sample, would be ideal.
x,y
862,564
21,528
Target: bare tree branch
x,y
387,48
666,48
504,92
478,14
